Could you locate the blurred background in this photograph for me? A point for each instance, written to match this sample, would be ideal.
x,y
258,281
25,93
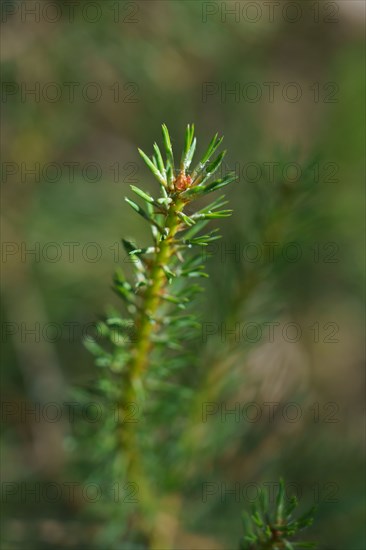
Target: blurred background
x,y
83,85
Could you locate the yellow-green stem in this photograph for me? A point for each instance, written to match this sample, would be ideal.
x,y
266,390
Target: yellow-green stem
x,y
138,365
152,300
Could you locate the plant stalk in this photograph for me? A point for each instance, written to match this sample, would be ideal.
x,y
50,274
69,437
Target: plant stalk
x,y
137,367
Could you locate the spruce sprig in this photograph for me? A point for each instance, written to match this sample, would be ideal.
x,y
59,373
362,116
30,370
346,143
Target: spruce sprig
x,y
174,231
272,529
142,348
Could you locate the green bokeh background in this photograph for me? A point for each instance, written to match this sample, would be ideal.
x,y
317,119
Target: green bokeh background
x,y
162,54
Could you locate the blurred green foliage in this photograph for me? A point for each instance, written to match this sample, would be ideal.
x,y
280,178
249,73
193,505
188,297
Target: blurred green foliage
x,y
164,62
